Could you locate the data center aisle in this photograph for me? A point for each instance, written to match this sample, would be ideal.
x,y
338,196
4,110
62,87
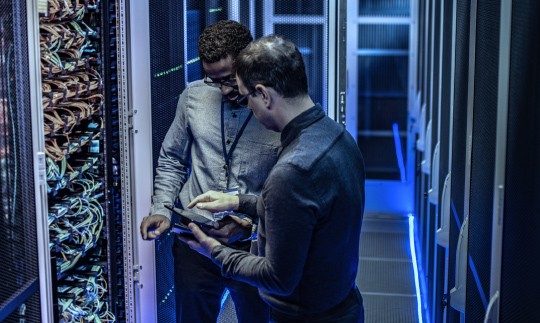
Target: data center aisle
x,y
386,273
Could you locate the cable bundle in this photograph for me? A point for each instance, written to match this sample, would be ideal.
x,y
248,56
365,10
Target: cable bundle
x,y
81,296
73,108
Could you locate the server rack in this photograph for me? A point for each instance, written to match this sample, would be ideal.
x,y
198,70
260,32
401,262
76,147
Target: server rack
x,y
440,174
424,147
516,210
491,111
482,158
459,126
82,143
437,237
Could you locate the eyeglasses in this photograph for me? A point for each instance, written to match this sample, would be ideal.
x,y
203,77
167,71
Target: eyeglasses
x,y
228,80
243,100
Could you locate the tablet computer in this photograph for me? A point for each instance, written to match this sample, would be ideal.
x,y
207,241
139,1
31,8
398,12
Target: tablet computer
x,y
180,228
204,219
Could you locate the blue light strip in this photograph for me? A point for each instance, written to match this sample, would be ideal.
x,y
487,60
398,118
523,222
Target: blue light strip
x,y
478,283
224,298
399,152
422,279
415,268
454,212
481,292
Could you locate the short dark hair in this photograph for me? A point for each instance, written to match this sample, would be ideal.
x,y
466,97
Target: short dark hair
x,y
273,61
224,38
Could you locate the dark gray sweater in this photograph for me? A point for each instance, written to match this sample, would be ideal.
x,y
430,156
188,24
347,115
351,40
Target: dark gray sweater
x,y
310,214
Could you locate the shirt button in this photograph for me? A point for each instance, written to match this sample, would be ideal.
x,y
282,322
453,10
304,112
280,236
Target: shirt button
x,y
228,141
234,114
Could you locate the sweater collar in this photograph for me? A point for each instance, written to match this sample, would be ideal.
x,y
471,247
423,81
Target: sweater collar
x,y
300,122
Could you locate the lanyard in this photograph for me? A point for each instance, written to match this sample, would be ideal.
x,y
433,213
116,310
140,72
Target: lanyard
x,y
228,155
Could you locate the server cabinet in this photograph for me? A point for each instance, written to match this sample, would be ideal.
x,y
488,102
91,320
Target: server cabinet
x,y
482,158
60,122
424,147
458,148
442,90
441,177
421,126
516,188
432,153
486,195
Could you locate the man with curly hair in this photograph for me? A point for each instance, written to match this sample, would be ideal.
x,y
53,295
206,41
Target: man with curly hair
x,y
212,144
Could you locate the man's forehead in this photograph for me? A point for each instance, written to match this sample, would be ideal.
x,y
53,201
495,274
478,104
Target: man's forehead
x,y
221,68
218,72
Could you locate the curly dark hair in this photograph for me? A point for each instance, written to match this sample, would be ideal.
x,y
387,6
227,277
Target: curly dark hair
x,y
226,37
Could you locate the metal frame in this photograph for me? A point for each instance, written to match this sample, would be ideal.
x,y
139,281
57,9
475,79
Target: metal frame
x,y
252,16
435,186
270,19
470,107
429,155
136,129
234,11
414,104
378,198
425,49
184,28
38,143
337,49
450,145
351,117
125,128
468,152
433,193
500,160
333,58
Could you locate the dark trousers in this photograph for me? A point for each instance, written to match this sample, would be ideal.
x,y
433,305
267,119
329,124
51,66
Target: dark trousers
x,y
200,286
350,310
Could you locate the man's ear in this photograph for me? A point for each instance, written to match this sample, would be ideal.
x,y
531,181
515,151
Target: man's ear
x,y
265,93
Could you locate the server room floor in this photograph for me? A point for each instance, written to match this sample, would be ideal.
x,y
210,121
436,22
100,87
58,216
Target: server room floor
x,y
385,273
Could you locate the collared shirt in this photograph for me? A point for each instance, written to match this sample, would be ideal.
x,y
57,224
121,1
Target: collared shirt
x,y
191,158
310,215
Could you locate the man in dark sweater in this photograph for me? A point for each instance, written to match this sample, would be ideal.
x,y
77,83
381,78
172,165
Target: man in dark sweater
x,y
310,209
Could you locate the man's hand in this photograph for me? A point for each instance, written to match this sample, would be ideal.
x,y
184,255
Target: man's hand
x,y
154,225
214,201
202,243
231,229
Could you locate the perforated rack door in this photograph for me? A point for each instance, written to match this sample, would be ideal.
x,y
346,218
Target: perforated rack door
x,y
19,285
520,241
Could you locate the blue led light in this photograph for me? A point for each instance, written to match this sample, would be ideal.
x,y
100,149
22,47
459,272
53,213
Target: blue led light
x,y
481,292
415,268
399,152
224,298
